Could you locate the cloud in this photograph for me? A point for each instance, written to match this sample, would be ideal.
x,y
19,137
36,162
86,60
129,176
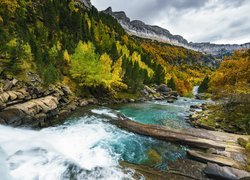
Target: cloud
x,y
218,21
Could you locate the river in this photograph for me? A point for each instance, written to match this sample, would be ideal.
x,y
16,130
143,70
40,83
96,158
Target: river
x,y
86,146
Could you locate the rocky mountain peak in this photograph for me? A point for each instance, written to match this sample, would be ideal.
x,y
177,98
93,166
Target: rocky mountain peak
x,y
108,10
87,3
140,29
121,15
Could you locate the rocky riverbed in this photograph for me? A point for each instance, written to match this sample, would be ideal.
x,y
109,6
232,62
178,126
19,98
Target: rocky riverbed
x,y
215,155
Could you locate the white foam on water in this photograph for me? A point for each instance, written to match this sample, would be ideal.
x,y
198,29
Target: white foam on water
x,y
46,154
106,112
4,171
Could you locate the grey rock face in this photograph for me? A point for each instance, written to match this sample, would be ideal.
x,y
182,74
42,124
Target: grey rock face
x,y
87,3
140,29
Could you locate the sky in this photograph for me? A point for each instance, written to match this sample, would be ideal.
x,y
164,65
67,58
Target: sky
x,y
216,21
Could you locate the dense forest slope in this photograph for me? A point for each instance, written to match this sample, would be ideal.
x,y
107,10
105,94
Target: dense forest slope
x,y
67,41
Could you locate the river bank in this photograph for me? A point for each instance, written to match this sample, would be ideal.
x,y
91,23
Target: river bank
x,y
33,104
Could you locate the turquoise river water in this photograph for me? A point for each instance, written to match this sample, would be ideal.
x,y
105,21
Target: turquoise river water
x,y
86,146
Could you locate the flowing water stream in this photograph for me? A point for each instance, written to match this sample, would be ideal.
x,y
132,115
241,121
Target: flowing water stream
x,y
86,146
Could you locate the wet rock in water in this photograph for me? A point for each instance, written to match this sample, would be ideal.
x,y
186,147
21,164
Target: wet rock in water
x,y
195,106
154,158
218,172
170,101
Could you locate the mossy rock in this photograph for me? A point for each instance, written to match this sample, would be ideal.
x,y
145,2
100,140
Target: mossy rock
x,y
242,142
248,168
154,158
248,147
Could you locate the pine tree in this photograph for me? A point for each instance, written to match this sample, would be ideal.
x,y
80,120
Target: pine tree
x,y
204,85
159,75
113,52
172,84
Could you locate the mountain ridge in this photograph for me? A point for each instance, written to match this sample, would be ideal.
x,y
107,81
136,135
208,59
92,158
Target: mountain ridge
x,y
143,30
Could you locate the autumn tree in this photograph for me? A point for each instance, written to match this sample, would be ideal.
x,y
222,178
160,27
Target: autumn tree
x,y
105,72
233,77
85,66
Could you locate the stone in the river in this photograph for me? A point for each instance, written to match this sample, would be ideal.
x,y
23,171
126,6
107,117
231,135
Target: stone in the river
x,y
218,172
170,101
195,106
154,158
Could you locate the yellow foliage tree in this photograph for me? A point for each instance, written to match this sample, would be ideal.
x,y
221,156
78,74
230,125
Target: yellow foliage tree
x,y
105,72
117,75
66,56
233,77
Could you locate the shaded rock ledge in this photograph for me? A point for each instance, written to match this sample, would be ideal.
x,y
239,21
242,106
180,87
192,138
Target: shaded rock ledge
x,y
31,103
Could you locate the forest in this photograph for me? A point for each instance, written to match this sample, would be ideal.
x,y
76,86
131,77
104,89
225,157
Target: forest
x,y
63,41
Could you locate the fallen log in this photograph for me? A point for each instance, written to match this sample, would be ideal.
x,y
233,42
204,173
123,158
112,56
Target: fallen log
x,y
165,134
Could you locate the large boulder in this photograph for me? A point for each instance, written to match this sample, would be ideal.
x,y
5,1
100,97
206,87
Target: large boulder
x,y
13,117
33,107
163,88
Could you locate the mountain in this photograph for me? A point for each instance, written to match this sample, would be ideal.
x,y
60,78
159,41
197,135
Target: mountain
x,y
140,29
87,3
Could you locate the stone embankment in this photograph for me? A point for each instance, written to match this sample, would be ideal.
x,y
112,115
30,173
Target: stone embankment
x,y
31,103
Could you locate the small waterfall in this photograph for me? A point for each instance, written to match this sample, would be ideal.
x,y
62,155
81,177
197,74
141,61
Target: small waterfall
x,y
195,90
